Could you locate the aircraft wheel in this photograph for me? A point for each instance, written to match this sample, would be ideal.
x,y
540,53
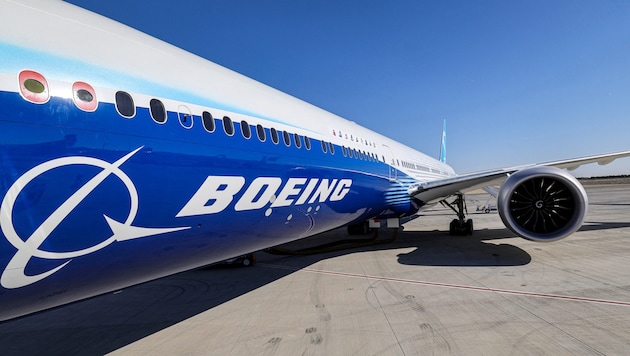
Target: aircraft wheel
x,y
249,260
461,228
454,227
469,227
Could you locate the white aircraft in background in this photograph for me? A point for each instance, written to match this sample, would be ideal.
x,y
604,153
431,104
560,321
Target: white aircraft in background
x,y
124,159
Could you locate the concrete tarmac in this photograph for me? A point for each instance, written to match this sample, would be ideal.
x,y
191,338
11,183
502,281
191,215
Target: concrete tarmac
x,y
425,293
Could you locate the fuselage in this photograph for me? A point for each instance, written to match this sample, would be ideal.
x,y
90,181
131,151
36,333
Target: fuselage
x,y
125,159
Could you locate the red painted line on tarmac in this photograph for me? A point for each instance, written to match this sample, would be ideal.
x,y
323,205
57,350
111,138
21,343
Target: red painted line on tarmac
x,y
454,286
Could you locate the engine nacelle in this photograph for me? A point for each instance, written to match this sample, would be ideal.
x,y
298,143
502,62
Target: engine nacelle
x,y
542,203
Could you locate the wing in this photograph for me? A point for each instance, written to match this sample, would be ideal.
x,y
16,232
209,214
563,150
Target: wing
x,y
443,188
540,202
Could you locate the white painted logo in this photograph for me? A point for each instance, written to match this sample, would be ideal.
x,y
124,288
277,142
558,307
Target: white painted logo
x,y
213,196
14,275
217,193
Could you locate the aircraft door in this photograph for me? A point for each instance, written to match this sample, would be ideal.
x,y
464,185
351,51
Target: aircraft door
x,y
389,160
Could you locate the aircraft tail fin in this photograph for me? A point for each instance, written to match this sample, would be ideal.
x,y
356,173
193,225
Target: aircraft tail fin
x,y
443,145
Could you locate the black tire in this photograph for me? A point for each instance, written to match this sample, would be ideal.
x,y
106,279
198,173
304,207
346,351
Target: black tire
x,y
249,260
454,227
468,228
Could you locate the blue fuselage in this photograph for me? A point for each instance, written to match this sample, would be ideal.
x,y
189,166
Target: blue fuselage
x,y
94,201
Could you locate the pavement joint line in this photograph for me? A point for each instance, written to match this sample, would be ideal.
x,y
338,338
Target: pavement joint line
x,y
453,286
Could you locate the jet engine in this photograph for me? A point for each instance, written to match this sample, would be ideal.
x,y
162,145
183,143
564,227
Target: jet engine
x,y
542,203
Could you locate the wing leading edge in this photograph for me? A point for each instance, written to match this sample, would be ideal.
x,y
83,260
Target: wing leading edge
x,y
443,188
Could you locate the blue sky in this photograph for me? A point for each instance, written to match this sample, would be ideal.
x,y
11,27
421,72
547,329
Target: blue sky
x,y
517,81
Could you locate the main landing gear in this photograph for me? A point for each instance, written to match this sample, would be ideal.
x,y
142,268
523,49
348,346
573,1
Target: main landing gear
x,y
461,225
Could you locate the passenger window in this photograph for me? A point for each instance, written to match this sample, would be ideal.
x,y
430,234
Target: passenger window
x,y
124,104
343,149
286,138
274,136
185,117
158,112
228,126
33,87
298,140
307,143
260,131
245,129
208,121
332,148
324,146
84,96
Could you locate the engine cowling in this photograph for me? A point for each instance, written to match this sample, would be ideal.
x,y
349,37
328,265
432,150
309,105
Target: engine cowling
x,y
542,203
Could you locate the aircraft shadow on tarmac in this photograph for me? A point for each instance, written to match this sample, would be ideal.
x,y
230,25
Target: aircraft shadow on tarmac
x,y
108,322
444,250
437,250
593,226
440,249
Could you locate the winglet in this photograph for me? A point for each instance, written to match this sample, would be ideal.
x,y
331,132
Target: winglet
x,y
443,145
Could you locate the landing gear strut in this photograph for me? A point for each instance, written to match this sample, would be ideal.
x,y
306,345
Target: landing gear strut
x,y
461,225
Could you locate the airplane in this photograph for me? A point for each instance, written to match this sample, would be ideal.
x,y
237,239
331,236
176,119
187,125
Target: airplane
x,y
125,159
